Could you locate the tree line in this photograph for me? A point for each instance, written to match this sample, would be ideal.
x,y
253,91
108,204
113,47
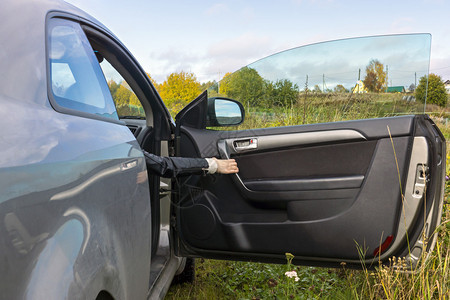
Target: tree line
x,y
250,88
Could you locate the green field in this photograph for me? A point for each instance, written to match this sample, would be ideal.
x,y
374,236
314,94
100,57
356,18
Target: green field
x,y
245,280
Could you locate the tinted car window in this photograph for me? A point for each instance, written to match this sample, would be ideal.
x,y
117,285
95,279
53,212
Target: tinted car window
x,y
77,81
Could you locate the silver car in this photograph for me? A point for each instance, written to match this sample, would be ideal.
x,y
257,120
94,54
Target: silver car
x,y
80,217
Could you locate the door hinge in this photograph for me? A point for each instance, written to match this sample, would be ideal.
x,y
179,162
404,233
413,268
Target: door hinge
x,y
421,180
173,223
171,144
171,151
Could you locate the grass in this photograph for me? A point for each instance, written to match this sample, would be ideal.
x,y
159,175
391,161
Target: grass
x,y
245,280
334,108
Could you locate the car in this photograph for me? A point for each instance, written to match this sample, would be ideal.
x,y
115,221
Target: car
x,y
81,218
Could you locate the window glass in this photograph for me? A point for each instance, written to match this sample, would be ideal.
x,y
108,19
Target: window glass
x,y
77,81
62,78
126,101
340,80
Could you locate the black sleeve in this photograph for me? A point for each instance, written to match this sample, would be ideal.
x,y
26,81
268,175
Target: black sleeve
x,y
174,166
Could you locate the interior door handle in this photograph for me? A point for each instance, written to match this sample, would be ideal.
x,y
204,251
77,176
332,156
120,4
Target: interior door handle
x,y
245,144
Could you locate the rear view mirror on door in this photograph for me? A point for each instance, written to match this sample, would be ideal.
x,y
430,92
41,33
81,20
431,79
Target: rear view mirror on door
x,y
224,112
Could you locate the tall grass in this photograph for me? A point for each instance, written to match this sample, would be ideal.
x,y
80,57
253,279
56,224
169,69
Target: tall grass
x,y
429,280
334,107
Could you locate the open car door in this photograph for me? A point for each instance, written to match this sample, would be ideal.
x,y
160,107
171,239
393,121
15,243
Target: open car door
x,y
329,192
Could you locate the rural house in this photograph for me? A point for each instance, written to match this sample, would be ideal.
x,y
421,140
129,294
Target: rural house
x,y
447,86
359,88
396,89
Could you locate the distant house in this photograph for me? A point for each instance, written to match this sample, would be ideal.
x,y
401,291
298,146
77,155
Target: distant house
x,y
396,89
447,86
359,88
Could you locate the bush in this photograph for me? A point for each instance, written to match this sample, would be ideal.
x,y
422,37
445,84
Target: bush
x,y
436,90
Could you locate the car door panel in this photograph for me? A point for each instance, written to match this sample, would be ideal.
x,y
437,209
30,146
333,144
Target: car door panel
x,y
288,185
204,142
319,199
306,167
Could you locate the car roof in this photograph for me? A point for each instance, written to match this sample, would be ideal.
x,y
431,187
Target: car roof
x,y
23,66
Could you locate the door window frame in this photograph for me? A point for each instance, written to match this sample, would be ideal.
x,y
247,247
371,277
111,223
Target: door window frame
x,y
64,17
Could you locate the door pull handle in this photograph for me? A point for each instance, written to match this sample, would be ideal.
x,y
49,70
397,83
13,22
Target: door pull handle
x,y
245,144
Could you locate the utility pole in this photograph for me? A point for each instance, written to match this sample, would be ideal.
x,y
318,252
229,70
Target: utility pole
x,y
323,83
357,86
415,80
304,101
387,77
218,82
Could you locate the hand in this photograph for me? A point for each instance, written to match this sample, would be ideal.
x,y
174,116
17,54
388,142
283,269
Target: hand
x,y
141,177
226,166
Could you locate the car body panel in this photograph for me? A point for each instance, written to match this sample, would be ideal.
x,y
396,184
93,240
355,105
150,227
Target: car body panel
x,y
68,174
28,17
74,218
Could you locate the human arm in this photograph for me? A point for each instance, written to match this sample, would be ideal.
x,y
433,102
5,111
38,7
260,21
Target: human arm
x,y
174,166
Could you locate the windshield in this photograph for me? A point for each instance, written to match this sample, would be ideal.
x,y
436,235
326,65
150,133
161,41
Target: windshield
x,y
346,79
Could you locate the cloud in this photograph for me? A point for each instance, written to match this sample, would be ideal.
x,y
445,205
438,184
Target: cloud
x,y
221,57
434,1
441,67
402,25
247,14
245,46
231,54
440,60
226,55
172,53
166,61
319,3
217,9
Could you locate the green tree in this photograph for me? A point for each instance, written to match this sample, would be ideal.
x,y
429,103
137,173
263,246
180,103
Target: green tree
x,y
211,85
376,78
281,93
340,89
436,93
245,85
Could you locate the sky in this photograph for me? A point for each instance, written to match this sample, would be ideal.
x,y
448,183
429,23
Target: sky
x,y
340,62
211,38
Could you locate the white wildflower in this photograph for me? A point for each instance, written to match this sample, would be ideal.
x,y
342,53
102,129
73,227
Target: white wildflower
x,y
292,274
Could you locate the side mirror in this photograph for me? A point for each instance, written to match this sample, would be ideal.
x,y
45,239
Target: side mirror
x,y
224,112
